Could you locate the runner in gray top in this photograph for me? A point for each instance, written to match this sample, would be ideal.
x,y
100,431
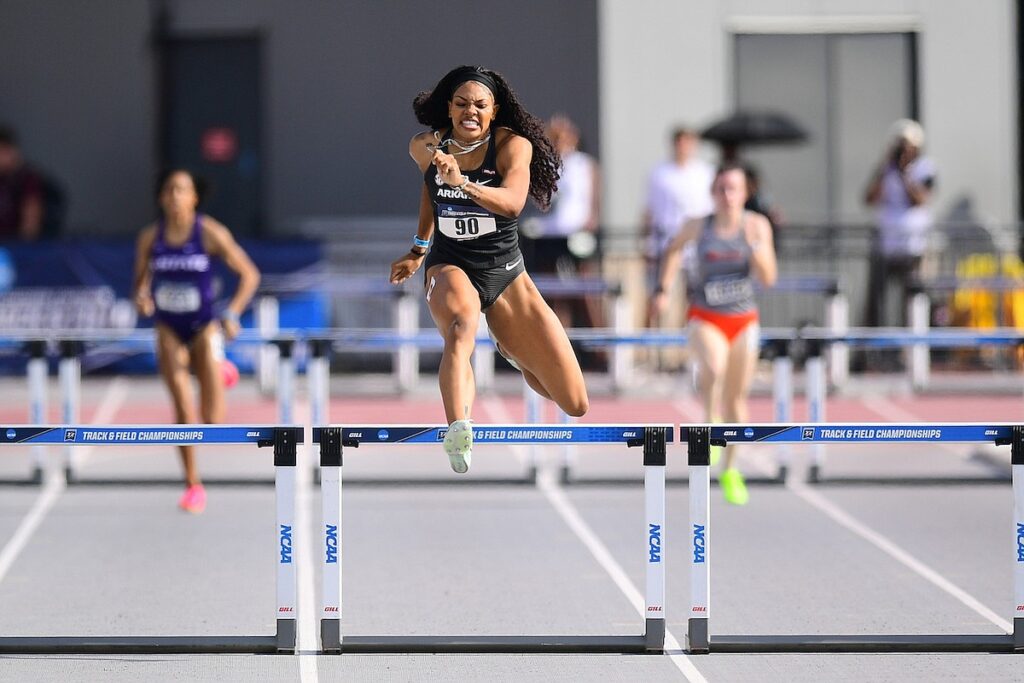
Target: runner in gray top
x,y
728,251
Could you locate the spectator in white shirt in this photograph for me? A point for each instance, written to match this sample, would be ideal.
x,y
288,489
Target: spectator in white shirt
x,y
900,190
562,241
678,190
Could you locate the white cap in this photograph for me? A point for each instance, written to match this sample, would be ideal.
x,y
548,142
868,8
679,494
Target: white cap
x,y
909,130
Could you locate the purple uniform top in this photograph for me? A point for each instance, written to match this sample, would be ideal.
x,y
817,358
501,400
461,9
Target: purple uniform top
x,y
182,282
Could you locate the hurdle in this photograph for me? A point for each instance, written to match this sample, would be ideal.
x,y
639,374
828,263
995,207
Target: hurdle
x,y
653,440
699,439
816,390
71,346
37,374
283,440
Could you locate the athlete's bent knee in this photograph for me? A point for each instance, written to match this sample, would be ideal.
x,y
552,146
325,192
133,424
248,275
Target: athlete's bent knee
x,y
577,406
460,329
460,334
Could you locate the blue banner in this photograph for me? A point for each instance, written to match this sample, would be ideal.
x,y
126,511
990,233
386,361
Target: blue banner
x,y
858,433
137,434
414,434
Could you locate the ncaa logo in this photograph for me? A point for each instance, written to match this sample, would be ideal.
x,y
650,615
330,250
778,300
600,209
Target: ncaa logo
x,y
808,434
70,434
11,434
749,433
382,435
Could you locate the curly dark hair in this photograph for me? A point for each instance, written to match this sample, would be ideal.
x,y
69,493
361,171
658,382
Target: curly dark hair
x,y
431,109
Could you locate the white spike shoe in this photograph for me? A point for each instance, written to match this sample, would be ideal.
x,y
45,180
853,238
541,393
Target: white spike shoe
x,y
458,444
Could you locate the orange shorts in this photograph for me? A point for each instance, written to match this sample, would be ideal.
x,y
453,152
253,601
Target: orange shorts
x,y
731,324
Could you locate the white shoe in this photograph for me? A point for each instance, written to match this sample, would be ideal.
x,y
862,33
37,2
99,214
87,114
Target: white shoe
x,y
500,352
458,444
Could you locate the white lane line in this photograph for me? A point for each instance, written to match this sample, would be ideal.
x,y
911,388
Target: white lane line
x,y
547,484
307,637
567,511
112,400
48,496
894,551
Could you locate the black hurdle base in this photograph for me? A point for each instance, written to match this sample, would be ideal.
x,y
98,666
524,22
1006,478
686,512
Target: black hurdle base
x,y
494,644
101,645
868,643
669,481
283,642
34,479
177,482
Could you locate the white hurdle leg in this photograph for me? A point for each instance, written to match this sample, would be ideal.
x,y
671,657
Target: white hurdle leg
x,y
654,508
406,358
699,459
1017,472
330,489
621,355
38,376
483,360
70,375
533,406
318,377
285,456
919,355
267,314
816,390
568,450
837,320
782,395
285,382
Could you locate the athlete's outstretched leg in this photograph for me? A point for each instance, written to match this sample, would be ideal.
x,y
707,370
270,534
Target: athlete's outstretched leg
x,y
455,307
206,364
712,352
173,357
709,349
529,332
739,375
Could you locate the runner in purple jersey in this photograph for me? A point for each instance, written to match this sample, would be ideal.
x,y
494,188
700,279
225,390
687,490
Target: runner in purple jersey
x,y
173,283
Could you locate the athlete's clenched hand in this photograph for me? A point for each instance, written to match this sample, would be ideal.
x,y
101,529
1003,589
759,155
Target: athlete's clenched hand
x,y
447,168
404,267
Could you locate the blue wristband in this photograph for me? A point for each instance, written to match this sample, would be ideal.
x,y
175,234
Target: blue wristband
x,y
420,243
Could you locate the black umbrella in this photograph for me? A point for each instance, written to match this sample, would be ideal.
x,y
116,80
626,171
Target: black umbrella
x,y
755,128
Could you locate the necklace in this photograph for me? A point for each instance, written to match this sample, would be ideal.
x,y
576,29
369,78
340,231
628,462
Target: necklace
x,y
465,149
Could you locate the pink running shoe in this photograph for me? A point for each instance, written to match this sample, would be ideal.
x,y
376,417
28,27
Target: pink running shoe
x,y
229,373
194,499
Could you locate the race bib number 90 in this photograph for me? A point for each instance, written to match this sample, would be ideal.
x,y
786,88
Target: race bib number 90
x,y
724,292
462,223
177,298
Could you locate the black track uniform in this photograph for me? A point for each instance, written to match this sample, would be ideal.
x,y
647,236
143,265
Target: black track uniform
x,y
483,244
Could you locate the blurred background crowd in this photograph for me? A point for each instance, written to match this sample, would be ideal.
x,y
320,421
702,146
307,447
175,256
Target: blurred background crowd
x,y
881,139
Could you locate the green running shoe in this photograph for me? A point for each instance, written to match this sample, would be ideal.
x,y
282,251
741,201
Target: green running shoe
x,y
733,487
458,444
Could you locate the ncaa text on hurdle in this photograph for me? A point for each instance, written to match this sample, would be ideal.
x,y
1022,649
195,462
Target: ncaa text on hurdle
x,y
699,439
652,438
283,439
